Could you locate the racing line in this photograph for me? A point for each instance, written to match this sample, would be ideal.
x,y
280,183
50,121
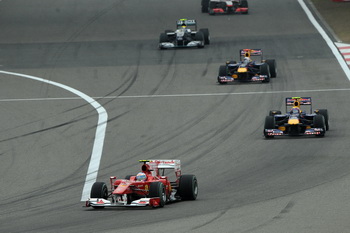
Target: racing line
x,y
103,116
97,149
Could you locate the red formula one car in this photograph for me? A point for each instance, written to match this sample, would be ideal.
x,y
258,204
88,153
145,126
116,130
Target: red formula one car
x,y
225,6
150,187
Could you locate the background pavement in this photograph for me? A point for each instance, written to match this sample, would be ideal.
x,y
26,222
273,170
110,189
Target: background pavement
x,y
337,16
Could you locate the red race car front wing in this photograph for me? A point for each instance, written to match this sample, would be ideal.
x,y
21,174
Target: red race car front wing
x,y
100,202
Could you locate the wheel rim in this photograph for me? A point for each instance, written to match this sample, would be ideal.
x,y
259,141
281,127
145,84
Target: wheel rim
x,y
195,191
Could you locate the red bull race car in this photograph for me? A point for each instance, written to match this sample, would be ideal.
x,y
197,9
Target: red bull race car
x,y
250,68
150,187
296,122
225,7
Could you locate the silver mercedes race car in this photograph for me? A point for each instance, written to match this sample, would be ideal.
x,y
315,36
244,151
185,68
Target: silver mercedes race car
x,y
186,35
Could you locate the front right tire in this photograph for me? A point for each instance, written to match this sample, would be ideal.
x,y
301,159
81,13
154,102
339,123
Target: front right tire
x,y
206,35
264,70
272,67
324,113
319,122
200,37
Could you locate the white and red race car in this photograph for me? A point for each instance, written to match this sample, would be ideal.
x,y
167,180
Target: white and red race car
x,y
150,187
225,6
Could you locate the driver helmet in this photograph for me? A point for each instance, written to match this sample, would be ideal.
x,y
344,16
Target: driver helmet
x,y
246,60
141,176
295,111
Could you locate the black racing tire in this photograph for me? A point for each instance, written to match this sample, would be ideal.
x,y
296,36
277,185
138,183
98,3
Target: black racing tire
x,y
264,70
163,38
167,30
211,7
244,3
270,123
274,112
99,190
188,187
157,189
231,62
205,6
205,32
324,113
272,67
222,72
199,37
319,122
267,80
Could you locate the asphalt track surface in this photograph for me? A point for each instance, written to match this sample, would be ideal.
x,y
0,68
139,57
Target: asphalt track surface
x,y
166,104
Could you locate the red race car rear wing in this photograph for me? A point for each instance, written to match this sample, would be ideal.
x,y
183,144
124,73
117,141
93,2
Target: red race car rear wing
x,y
162,164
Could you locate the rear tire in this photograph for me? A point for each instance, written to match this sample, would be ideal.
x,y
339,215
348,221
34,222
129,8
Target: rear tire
x,y
188,187
269,124
157,189
272,67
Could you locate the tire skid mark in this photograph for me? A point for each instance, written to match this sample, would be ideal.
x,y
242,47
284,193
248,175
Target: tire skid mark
x,y
65,45
205,71
50,188
170,63
47,129
220,214
148,145
223,133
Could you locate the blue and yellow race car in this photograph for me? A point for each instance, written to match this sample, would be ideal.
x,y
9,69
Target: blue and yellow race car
x,y
296,122
250,68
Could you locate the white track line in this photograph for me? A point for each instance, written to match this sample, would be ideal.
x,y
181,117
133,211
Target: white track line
x,y
99,135
329,42
179,95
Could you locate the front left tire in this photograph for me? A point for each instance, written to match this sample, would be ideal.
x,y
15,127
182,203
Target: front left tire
x,y
99,190
157,189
